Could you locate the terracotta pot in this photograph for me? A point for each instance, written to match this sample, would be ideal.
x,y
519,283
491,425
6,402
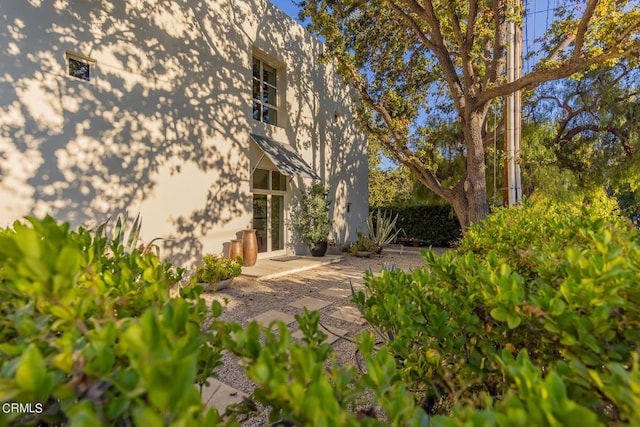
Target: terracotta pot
x,y
235,250
249,247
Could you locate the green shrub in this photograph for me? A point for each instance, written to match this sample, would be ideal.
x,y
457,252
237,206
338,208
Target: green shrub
x,y
91,334
556,282
434,225
215,269
303,385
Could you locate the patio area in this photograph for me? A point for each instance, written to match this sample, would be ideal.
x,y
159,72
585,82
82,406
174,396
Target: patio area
x,y
271,268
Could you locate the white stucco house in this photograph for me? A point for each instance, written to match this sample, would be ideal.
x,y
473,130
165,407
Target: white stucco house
x,y
207,117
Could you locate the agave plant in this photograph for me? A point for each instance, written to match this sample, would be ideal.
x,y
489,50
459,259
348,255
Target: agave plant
x,y
126,235
382,229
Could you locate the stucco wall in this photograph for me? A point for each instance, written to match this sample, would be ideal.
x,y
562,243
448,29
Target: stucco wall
x,y
163,126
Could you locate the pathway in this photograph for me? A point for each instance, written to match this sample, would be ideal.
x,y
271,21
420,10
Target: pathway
x,y
326,289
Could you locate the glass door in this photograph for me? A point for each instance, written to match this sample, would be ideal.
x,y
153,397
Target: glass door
x,y
277,223
269,188
260,221
268,221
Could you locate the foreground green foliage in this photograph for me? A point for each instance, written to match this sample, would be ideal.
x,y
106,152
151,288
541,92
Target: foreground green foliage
x,y
534,320
304,385
89,331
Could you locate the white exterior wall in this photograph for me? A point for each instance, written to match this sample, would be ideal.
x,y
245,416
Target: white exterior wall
x,y
163,126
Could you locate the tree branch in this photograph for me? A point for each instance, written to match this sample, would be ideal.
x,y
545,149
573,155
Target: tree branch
x,y
583,26
562,71
439,47
395,144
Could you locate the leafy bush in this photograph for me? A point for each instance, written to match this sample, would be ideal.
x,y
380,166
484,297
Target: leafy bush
x,y
303,384
91,333
539,301
436,225
215,269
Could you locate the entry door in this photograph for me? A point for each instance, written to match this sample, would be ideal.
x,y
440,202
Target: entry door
x,y
268,221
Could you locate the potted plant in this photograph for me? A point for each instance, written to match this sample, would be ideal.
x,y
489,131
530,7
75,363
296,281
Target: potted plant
x,y
334,247
215,272
311,219
363,247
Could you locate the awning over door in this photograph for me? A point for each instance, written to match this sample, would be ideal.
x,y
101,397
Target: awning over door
x,y
285,158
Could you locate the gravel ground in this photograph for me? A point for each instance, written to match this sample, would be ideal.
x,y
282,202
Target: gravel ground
x,y
248,298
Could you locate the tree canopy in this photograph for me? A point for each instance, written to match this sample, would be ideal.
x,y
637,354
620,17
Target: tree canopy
x,y
427,73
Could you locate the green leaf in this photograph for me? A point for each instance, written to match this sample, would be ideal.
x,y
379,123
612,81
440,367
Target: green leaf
x,y
513,321
28,241
500,314
31,371
68,261
145,416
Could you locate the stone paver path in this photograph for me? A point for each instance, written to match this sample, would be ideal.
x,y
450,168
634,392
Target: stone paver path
x,y
310,303
267,317
326,289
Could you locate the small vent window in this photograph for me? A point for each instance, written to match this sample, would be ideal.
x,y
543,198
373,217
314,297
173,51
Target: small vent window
x,y
80,67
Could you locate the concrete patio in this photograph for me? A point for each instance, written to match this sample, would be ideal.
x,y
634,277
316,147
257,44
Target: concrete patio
x,y
271,268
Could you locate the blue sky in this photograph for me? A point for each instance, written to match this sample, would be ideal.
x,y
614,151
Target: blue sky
x,y
288,7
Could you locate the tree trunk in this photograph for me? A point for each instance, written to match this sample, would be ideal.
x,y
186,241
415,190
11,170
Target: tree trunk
x,y
470,195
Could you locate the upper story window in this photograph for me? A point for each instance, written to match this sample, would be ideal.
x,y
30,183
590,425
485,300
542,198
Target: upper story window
x,y
264,179
265,92
80,66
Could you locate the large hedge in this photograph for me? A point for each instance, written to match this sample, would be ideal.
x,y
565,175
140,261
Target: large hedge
x,y
533,320
434,225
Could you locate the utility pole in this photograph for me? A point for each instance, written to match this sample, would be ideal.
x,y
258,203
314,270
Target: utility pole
x,y
512,191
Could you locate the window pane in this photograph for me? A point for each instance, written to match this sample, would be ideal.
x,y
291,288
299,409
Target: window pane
x,y
269,74
270,95
256,89
79,69
270,115
278,181
261,179
256,68
256,110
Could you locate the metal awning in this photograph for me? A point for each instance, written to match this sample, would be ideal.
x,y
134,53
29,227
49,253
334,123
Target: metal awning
x,y
285,158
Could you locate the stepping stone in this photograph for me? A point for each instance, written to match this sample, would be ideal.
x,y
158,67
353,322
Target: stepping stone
x,y
267,317
337,292
312,304
220,395
349,314
331,337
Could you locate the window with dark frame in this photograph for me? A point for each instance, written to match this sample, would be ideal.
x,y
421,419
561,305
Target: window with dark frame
x,y
265,92
79,66
264,179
